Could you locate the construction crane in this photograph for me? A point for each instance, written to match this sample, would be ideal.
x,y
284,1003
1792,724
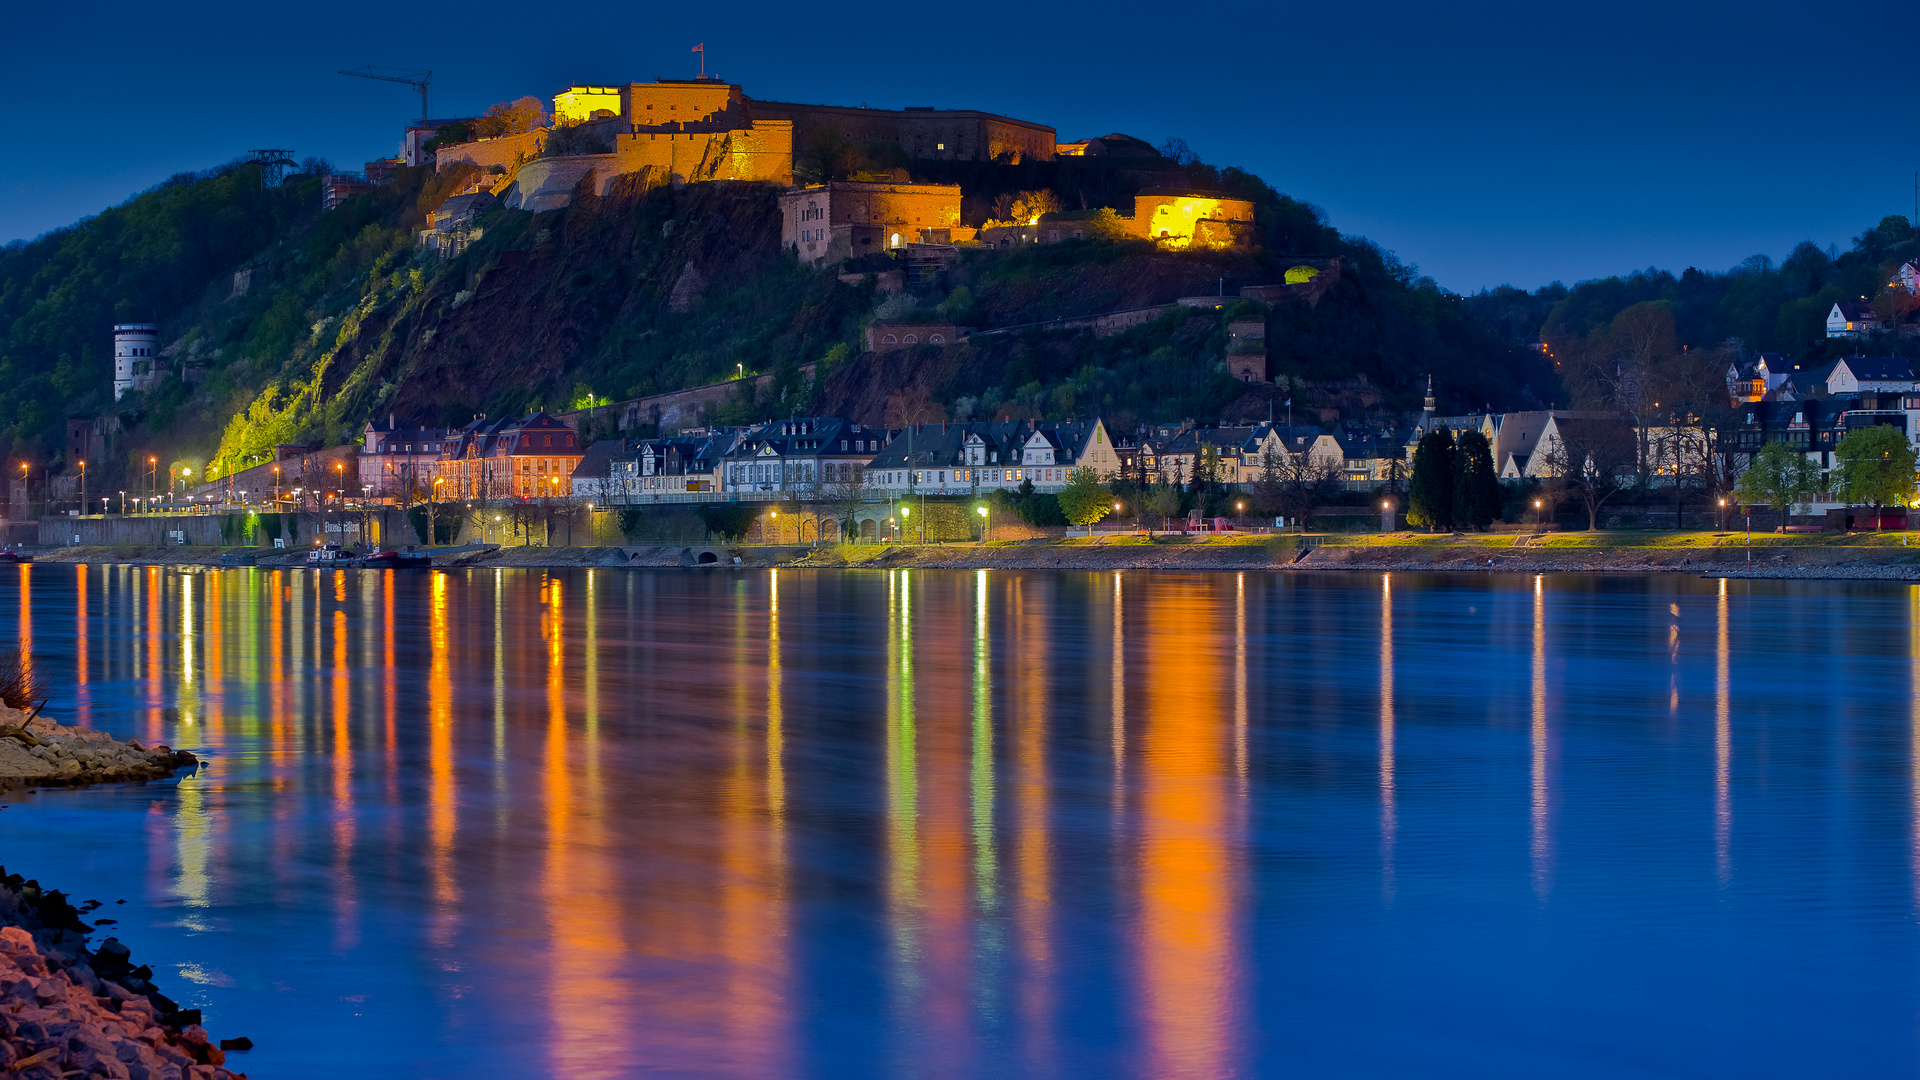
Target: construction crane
x,y
419,80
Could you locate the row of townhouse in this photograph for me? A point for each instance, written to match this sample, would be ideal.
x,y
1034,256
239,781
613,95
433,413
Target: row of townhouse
x,y
488,459
968,457
814,457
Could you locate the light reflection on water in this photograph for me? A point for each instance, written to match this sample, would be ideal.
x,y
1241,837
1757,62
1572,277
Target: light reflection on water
x,y
993,824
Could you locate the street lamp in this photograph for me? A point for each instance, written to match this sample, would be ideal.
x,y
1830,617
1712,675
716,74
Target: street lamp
x,y
123,504
985,524
1536,515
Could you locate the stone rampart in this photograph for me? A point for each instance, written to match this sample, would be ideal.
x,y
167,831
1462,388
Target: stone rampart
x,y
507,151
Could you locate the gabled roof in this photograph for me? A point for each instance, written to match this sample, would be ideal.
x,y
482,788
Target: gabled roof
x,y
1876,368
1370,445
597,463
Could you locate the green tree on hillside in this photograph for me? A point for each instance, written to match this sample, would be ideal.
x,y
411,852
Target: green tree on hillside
x,y
1781,477
1875,466
1083,500
1430,494
1476,492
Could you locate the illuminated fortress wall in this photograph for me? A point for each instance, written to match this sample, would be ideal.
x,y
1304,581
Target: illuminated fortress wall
x,y
1180,219
506,151
692,130
927,134
847,218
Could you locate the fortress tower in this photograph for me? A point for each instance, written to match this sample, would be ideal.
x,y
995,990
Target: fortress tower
x,y
134,347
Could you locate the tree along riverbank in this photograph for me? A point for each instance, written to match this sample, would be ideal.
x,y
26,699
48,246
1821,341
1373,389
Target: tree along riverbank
x,y
1858,555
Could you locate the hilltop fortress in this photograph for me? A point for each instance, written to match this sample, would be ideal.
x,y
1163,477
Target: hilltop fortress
x,y
692,130
683,131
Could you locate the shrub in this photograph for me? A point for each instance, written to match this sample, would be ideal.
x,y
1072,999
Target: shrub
x,y
447,518
20,683
728,521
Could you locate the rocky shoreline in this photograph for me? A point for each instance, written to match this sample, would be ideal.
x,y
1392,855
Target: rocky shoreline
x,y
67,1010
36,752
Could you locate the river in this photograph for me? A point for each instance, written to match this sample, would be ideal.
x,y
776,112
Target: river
x,y
952,824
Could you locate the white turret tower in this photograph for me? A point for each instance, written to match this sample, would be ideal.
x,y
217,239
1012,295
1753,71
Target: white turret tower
x,y
134,347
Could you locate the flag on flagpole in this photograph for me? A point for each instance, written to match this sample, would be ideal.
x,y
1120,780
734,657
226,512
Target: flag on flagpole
x,y
702,47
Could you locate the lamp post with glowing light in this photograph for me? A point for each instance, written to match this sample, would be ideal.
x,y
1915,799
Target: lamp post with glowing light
x,y
1536,515
83,485
986,523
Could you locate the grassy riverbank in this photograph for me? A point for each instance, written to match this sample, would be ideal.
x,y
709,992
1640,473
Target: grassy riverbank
x,y
1798,555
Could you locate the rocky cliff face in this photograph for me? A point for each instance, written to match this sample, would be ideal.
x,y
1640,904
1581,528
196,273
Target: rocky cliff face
x,y
644,289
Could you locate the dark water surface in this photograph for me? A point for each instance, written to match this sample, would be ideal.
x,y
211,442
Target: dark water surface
x,y
928,824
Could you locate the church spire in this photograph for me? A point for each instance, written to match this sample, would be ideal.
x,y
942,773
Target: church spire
x,y
1426,417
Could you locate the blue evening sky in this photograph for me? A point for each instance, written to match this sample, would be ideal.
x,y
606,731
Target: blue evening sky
x,y
1487,143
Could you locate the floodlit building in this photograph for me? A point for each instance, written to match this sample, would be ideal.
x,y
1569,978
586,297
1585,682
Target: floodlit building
x,y
847,218
532,457
401,463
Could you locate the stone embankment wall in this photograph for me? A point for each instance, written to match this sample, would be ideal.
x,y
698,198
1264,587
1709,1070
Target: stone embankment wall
x,y
227,530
